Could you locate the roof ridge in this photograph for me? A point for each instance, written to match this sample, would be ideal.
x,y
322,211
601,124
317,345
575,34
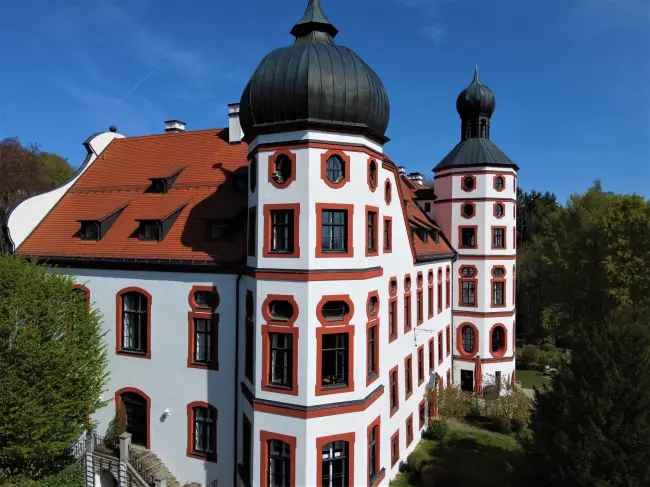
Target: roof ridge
x,y
170,134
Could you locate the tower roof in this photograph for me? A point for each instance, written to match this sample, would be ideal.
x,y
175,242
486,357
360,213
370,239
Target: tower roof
x,y
475,99
314,19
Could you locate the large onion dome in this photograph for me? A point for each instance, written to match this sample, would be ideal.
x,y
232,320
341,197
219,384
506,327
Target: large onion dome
x,y
476,99
314,84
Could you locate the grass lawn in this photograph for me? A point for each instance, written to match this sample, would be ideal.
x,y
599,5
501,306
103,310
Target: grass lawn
x,y
468,456
529,379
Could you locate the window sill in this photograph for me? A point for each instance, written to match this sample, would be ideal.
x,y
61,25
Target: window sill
x,y
134,354
203,365
208,457
292,391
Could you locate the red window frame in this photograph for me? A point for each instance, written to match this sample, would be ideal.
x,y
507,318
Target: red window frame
x,y
440,290
379,472
271,168
394,448
265,437
422,416
349,224
430,294
324,440
440,345
119,331
211,457
447,288
408,376
346,168
393,321
420,365
393,392
408,311
409,429
388,234
432,358
460,236
459,340
372,252
266,251
505,238
502,351
388,196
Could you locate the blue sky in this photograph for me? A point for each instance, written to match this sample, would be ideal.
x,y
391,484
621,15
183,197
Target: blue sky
x,y
572,77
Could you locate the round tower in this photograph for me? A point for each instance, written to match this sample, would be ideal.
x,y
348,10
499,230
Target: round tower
x,y
476,191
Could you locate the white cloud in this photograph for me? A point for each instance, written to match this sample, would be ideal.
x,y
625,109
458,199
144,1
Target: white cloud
x,y
433,27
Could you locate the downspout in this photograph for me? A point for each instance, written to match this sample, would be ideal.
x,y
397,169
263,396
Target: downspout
x,y
236,381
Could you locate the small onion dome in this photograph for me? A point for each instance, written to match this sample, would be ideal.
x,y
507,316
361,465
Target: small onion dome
x,y
476,99
314,84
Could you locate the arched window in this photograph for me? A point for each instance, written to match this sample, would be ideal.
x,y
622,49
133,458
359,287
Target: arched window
x,y
499,210
468,339
202,420
387,192
334,466
282,169
498,340
335,169
134,322
499,183
372,174
279,464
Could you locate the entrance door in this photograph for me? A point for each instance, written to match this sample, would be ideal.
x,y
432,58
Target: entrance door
x,y
467,380
136,417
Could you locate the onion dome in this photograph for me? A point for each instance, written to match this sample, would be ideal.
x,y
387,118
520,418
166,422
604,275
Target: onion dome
x,y
314,84
475,105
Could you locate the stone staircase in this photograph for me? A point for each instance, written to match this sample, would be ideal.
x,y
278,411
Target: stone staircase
x,y
150,466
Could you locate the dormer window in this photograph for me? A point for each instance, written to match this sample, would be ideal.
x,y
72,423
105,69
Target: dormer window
x,y
155,225
158,185
90,230
150,230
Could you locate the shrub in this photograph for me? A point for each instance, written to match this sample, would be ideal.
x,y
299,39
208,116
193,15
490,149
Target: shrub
x,y
116,427
502,424
528,357
437,429
454,403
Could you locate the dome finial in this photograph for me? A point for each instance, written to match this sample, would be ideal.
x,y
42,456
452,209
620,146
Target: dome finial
x,y
476,77
313,20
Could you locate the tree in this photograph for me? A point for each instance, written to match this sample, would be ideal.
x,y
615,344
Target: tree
x,y
53,364
592,428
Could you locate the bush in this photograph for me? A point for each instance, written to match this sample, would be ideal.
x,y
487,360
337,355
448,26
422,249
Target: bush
x,y
71,475
528,357
437,429
116,427
502,424
454,403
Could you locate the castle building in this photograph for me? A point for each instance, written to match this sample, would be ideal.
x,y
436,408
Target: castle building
x,y
279,297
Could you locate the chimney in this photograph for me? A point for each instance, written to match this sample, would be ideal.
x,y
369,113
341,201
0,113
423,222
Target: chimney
x,y
401,170
416,177
174,126
235,133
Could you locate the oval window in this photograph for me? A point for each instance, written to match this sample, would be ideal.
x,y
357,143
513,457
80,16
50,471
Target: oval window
x,y
387,196
499,210
335,169
499,183
468,210
335,310
468,183
498,339
281,310
205,299
282,170
468,339
372,174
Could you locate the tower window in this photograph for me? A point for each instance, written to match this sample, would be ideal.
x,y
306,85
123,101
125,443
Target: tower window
x,y
335,169
468,293
334,360
499,183
281,169
498,340
498,238
279,473
281,310
334,231
468,339
335,464
468,183
468,237
281,231
468,210
335,310
372,174
281,368
499,210
371,232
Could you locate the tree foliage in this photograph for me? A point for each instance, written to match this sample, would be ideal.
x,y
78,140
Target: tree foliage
x,y
53,365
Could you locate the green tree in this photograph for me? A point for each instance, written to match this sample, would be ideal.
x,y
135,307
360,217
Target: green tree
x,y
592,428
53,364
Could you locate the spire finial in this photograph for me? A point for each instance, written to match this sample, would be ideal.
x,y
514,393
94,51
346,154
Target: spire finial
x,y
313,20
476,76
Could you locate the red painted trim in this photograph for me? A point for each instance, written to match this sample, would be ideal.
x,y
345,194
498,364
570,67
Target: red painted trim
x,y
394,448
484,314
462,183
388,234
459,340
335,297
349,251
346,168
265,437
147,400
192,302
315,275
119,329
191,342
266,358
321,390
474,200
372,252
266,251
460,236
505,237
502,351
375,424
372,184
266,310
420,365
388,193
190,432
271,168
393,392
408,377
333,410
422,420
369,313
409,429
323,441
372,376
432,357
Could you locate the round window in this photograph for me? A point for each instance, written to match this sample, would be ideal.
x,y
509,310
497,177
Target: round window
x,y
282,169
281,310
335,310
372,174
499,183
468,210
469,183
335,169
499,210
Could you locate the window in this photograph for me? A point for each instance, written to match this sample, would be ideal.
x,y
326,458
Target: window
x,y
432,361
372,175
204,340
282,231
334,360
498,291
158,185
422,419
468,237
134,323
252,173
420,300
499,183
374,452
205,299
372,231
430,294
252,231
448,288
468,293
392,319
498,341
281,310
408,379
394,448
202,437
249,360
468,210
468,183
90,230
335,169
372,347
467,271
439,290
407,305
279,468
150,230
499,210
409,429
448,339
420,365
372,307
388,234
334,310
388,196
440,345
468,339
334,231
281,170
498,237
335,464
281,367
394,391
